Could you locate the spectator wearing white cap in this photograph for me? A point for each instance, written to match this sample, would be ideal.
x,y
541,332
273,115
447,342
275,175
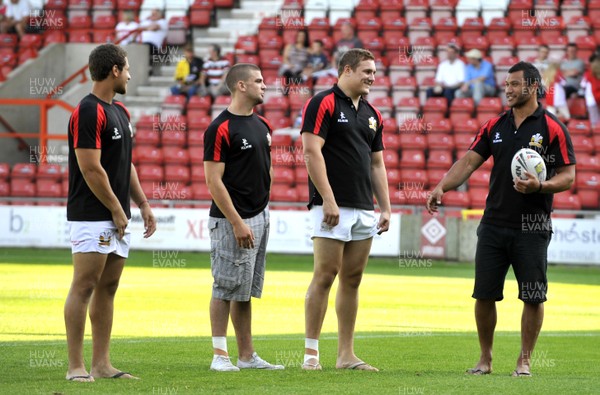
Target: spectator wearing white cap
x,y
479,77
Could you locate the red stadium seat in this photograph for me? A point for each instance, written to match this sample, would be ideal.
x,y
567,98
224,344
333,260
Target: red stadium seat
x,y
456,199
148,155
441,141
489,107
414,177
577,107
586,162
26,171
103,36
4,188
440,159
390,9
54,36
393,177
8,57
30,41
587,180
150,172
4,171
21,187
197,174
177,173
586,45
413,141
173,136
56,5
196,155
79,36
284,175
283,193
437,105
8,41
366,9
105,22
48,188
412,158
200,191
390,158
478,197
199,103
479,178
178,27
589,199
147,137
566,201
579,127
201,12
65,187
174,102
176,155
435,176
463,142
198,121
49,171
441,126
582,144
391,141
247,45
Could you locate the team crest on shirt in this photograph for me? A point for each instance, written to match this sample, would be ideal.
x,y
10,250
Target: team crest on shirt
x,y
373,124
105,238
116,134
269,139
536,140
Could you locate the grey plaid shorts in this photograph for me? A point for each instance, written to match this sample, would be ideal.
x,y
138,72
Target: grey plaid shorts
x,y
238,273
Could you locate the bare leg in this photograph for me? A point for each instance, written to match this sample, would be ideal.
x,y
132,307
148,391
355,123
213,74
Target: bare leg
x,y
219,319
328,255
531,324
87,270
241,317
101,316
486,317
356,256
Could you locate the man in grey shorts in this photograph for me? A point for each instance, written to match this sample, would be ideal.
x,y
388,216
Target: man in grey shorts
x,y
237,164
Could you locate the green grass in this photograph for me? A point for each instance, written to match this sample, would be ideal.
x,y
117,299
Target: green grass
x,y
415,324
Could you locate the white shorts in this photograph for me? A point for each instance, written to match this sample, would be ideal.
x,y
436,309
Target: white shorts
x,y
355,224
98,236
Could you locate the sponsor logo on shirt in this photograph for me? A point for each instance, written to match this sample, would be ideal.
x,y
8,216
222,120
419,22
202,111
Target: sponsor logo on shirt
x,y
536,140
343,118
245,144
373,124
497,138
105,238
116,134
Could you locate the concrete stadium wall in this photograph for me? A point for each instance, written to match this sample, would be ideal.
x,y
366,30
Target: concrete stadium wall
x,y
37,77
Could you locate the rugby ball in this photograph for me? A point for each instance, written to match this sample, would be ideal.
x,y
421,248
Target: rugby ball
x,y
528,160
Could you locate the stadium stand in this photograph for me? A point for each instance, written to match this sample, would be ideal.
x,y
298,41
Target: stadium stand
x,y
423,137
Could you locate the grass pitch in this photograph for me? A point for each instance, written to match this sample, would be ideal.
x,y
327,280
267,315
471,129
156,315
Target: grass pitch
x,y
415,324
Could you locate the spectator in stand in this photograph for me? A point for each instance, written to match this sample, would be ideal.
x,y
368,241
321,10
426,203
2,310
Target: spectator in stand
x,y
542,61
154,31
556,99
348,41
450,75
125,27
591,84
187,73
214,71
479,78
572,68
317,62
295,58
16,17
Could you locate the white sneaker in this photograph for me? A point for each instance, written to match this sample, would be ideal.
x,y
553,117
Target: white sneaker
x,y
221,363
258,363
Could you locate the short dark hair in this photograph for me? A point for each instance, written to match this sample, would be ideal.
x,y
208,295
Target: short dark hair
x,y
239,72
320,42
352,58
103,58
217,49
571,45
531,74
544,46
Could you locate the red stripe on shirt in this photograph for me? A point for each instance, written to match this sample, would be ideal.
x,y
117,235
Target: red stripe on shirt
x,y
75,126
222,134
266,121
557,132
327,104
486,128
100,124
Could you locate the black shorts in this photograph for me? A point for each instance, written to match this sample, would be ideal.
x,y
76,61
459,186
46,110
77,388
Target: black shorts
x,y
497,249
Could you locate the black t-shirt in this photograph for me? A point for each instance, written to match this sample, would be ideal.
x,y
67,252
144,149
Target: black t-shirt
x,y
500,138
243,143
98,125
350,138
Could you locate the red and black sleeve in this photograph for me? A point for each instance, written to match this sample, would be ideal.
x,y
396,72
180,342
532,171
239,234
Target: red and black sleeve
x,y
216,142
87,123
560,150
317,114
